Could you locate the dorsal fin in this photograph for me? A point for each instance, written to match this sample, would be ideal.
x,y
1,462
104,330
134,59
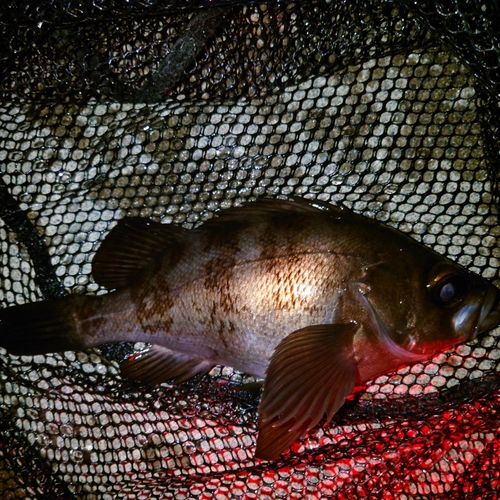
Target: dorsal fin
x,y
274,207
130,247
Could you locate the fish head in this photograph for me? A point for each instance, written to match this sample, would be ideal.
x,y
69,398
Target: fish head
x,y
469,304
426,303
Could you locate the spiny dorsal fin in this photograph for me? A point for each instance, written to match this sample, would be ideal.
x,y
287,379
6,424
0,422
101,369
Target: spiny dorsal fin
x,y
130,247
274,207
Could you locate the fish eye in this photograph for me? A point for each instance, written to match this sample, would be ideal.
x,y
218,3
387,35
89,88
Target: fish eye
x,y
449,289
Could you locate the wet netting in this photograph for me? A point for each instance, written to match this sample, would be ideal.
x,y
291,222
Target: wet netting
x,y
174,110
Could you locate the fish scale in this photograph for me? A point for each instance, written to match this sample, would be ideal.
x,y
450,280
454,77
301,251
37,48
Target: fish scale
x,y
311,297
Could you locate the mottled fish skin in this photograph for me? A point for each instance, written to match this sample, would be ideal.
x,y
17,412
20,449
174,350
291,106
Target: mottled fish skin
x,y
311,297
233,293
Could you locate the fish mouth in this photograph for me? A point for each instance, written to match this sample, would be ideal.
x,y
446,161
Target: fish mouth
x,y
489,315
479,315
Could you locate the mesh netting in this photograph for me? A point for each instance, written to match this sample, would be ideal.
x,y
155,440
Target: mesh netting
x,y
171,111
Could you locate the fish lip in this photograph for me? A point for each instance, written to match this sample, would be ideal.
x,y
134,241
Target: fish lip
x,y
489,315
479,314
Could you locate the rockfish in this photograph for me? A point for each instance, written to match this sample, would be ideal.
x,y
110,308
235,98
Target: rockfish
x,y
311,297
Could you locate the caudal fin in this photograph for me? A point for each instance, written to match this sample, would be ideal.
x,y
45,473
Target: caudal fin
x,y
41,327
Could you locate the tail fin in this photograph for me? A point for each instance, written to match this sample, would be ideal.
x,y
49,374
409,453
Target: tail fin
x,y
41,327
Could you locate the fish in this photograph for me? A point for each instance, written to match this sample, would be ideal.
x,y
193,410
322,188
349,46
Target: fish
x,y
310,297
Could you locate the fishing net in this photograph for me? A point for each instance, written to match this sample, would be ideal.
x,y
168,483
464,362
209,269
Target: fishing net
x,y
176,109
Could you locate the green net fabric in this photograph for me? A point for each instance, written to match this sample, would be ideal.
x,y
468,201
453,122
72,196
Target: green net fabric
x,y
176,110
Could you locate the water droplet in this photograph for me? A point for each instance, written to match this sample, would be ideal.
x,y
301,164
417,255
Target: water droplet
x,y
189,448
391,188
67,430
42,439
141,440
76,456
52,428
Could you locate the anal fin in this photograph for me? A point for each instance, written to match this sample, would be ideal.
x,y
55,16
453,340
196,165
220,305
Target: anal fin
x,y
311,373
158,364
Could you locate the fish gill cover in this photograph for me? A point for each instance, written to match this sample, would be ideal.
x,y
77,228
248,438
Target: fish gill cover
x,y
175,110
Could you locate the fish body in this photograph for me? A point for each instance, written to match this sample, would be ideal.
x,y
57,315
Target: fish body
x,y
311,297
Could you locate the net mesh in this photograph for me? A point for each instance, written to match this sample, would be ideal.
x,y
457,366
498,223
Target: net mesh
x,y
175,110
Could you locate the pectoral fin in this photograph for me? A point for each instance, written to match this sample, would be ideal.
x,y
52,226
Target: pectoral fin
x,y
311,373
157,364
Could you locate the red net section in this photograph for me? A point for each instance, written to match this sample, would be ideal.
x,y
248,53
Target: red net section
x,y
174,111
